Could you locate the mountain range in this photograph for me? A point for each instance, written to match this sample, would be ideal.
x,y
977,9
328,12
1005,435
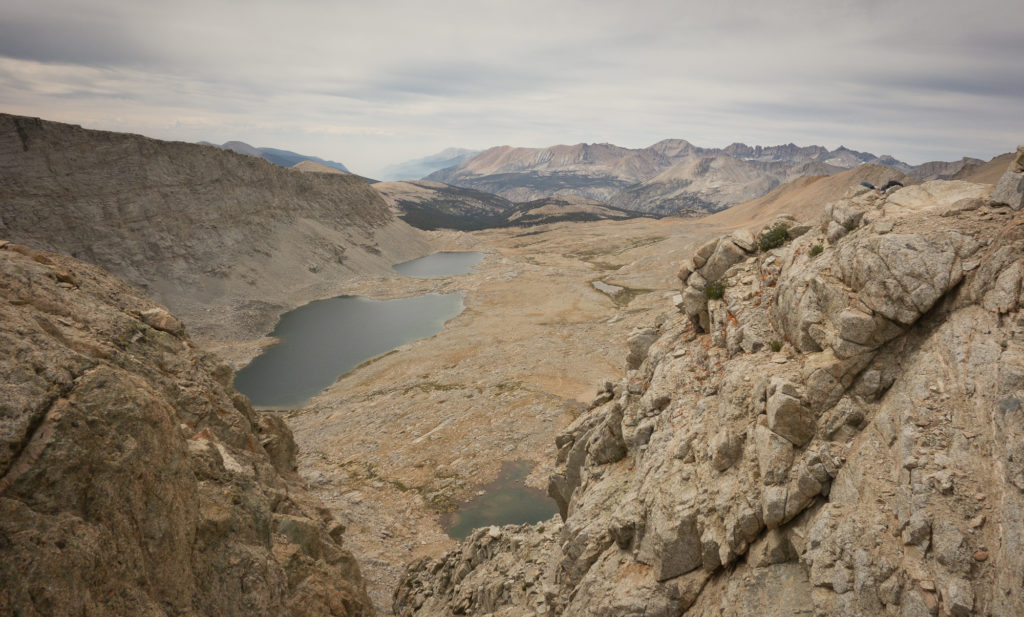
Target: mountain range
x,y
669,177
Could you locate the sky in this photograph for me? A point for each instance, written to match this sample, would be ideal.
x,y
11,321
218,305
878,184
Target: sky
x,y
375,83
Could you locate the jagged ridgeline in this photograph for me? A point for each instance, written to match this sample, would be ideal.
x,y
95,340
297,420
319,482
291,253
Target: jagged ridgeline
x,y
831,424
133,479
206,231
670,177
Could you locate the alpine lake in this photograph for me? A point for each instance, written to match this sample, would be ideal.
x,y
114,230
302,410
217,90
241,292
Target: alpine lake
x,y
322,340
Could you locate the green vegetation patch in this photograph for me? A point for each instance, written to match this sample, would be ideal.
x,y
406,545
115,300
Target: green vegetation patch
x,y
714,290
774,237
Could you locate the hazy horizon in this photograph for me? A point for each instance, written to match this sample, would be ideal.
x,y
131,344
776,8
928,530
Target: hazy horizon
x,y
372,86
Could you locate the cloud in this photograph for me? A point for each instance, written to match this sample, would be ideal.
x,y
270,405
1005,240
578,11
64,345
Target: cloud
x,y
373,83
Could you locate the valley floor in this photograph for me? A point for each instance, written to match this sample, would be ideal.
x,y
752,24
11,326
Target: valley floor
x,y
398,441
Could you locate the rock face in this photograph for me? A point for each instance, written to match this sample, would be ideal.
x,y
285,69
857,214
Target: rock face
x,y
841,433
226,241
1010,189
133,479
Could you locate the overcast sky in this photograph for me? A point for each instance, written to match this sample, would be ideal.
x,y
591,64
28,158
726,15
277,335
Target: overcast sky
x,y
376,82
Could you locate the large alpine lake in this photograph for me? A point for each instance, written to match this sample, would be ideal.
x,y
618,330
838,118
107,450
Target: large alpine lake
x,y
323,340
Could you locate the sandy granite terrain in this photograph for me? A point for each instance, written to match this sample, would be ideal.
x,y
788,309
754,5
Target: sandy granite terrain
x,y
398,441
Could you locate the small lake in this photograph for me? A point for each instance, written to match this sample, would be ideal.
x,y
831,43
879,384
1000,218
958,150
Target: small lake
x,y
506,501
326,339
439,264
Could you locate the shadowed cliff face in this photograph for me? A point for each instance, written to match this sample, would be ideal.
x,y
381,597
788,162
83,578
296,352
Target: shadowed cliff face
x,y
838,433
205,231
133,479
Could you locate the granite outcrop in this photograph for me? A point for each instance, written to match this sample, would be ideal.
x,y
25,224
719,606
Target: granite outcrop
x,y
836,429
134,480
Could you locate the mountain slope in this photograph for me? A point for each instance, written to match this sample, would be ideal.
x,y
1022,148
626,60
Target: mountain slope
x,y
698,185
433,205
134,480
596,171
564,209
227,241
985,173
805,197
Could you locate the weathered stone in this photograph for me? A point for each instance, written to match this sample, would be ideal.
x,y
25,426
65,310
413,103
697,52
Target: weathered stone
x,y
671,543
693,301
959,597
1010,190
771,549
935,194
701,255
774,455
725,255
789,418
159,319
686,267
639,342
744,239
725,449
835,231
696,281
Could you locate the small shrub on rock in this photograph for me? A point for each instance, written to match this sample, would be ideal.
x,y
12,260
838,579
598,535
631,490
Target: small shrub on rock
x,y
816,250
776,346
774,237
714,290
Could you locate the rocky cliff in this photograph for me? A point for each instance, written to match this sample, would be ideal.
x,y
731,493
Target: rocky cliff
x,y
831,425
133,479
226,241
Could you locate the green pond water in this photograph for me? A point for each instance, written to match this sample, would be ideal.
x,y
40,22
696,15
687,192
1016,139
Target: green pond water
x,y
439,264
328,338
506,501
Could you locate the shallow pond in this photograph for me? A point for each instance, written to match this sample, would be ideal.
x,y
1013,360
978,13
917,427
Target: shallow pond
x,y
328,338
439,264
506,501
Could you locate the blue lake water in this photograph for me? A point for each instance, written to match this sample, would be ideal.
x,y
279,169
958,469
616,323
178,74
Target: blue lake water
x,y
506,501
326,339
439,264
